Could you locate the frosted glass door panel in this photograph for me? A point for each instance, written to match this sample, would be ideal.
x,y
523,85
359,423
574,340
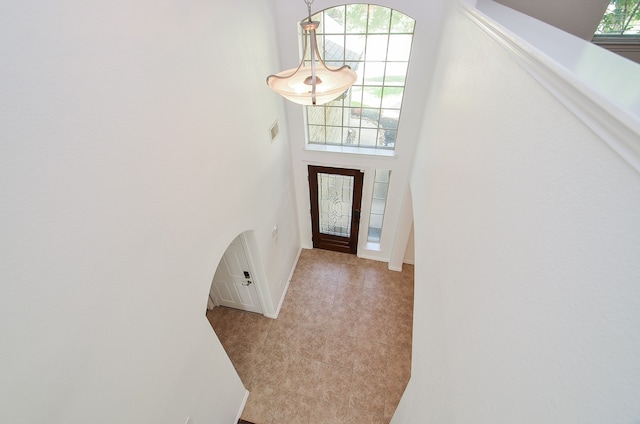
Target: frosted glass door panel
x,y
335,197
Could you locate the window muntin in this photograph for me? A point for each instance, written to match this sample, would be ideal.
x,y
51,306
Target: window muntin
x,y
621,19
376,42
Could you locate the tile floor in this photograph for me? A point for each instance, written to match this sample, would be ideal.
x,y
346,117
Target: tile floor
x,y
340,350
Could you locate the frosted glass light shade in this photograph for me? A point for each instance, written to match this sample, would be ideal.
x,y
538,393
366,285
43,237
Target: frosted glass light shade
x,y
293,88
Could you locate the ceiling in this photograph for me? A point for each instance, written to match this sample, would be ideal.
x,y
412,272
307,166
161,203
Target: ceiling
x,y
577,17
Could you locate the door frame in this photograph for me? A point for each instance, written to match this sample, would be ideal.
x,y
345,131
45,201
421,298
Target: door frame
x,y
337,242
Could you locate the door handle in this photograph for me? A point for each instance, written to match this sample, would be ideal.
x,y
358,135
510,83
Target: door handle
x,y
248,283
356,214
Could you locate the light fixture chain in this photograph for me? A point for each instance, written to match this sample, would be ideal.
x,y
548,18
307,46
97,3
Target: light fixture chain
x,y
309,3
314,49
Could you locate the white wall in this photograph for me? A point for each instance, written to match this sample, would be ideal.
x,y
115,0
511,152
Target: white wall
x,y
131,154
527,243
428,23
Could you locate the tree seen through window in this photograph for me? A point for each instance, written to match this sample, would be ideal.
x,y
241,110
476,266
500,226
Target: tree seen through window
x,y
622,18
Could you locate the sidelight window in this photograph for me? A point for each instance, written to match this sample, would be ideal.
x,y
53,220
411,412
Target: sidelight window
x,y
378,204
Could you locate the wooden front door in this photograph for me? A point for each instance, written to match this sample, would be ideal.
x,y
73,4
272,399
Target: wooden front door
x,y
336,194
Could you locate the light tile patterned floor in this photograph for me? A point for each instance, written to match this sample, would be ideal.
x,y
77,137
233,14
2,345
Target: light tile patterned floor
x,y
340,350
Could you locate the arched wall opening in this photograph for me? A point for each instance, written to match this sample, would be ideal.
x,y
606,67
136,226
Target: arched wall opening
x,y
239,280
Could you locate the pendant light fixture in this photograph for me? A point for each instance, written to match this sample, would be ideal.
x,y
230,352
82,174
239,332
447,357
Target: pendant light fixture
x,y
312,85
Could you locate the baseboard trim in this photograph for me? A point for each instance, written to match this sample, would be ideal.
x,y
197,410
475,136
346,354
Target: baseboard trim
x,y
284,293
286,287
244,403
371,257
391,268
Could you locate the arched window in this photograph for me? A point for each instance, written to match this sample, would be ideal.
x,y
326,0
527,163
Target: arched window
x,y
376,42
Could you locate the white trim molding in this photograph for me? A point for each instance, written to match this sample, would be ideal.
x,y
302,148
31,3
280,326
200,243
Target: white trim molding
x,y
610,114
625,47
242,405
286,287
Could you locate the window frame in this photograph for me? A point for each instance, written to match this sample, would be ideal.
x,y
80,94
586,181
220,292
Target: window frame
x,y
380,122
